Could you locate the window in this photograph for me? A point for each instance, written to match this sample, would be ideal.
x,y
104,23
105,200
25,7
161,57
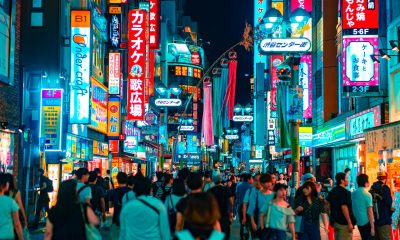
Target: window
x,y
36,3
33,93
36,19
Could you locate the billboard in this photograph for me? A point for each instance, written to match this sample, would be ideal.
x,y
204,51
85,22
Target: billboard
x,y
51,118
305,136
305,80
98,109
185,53
356,124
360,73
136,64
80,66
113,116
154,27
114,26
114,72
360,17
131,144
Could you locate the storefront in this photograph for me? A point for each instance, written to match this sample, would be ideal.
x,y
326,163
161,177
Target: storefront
x,y
79,151
6,151
100,158
305,141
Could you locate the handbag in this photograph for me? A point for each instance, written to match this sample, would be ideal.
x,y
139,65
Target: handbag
x,y
267,232
91,232
298,224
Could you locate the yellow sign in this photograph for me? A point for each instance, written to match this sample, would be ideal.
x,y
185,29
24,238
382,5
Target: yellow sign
x,y
115,1
113,117
114,10
98,113
278,6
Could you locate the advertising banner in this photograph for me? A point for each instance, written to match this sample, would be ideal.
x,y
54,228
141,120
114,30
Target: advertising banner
x,y
330,135
295,103
131,144
98,111
360,73
305,4
305,136
163,135
306,30
356,124
114,72
154,24
276,60
192,143
136,64
114,26
51,118
150,87
360,17
80,66
305,80
6,151
113,117
185,53
260,8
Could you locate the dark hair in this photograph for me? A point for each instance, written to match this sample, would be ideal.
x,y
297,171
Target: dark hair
x,y
167,178
159,175
73,172
178,187
347,170
194,181
246,177
279,186
339,177
122,178
184,173
67,199
92,176
11,185
108,171
314,192
97,170
131,180
265,177
41,171
207,174
81,172
3,181
256,175
362,180
142,186
202,210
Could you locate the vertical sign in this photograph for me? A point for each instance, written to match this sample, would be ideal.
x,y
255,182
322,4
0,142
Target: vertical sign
x,y
154,40
151,69
80,66
360,74
98,113
260,8
360,17
305,80
115,26
306,30
51,118
113,117
304,4
276,60
114,72
136,64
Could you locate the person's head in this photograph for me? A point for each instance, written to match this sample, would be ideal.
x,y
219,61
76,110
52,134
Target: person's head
x,y
142,186
266,181
273,179
67,198
93,177
97,171
280,191
233,178
159,176
202,210
183,173
256,181
131,181
362,181
246,177
347,171
382,176
178,187
281,177
4,183
307,177
108,172
168,179
40,172
207,176
122,178
341,179
11,181
73,174
82,174
217,179
310,189
194,181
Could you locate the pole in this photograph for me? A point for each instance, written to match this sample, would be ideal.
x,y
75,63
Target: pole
x,y
28,169
295,147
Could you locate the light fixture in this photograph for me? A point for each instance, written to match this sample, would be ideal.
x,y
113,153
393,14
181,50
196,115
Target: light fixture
x,y
394,45
248,109
384,55
300,16
374,59
235,130
237,108
190,120
175,89
228,131
271,20
4,125
44,74
161,89
21,129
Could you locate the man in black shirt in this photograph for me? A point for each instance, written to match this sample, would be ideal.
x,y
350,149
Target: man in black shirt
x,y
97,201
43,199
116,200
342,217
224,198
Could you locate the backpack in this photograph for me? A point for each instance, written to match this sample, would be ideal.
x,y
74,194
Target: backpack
x,y
165,193
49,184
186,235
171,215
377,195
106,183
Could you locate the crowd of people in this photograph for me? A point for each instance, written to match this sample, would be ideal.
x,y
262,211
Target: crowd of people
x,y
203,205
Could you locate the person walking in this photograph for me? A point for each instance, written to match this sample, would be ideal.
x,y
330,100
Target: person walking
x,y
14,193
43,199
362,207
224,198
177,193
68,217
383,200
341,210
278,216
116,201
208,183
130,195
97,201
165,188
241,191
157,184
9,217
202,214
83,189
310,207
108,186
145,217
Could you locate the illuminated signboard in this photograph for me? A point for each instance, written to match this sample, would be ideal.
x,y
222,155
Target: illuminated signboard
x,y
276,60
305,30
113,114
305,136
186,128
260,8
168,102
98,112
244,118
329,136
271,137
100,22
136,64
360,74
304,4
305,80
231,137
285,45
154,24
80,66
360,17
356,124
78,148
185,71
114,72
295,103
115,26
131,144
185,53
51,118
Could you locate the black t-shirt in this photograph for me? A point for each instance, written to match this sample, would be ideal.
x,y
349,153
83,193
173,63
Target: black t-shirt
x,y
181,205
222,194
97,194
116,197
68,227
337,197
44,195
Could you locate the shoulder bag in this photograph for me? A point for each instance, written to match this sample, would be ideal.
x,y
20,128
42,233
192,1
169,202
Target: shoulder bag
x,y
91,232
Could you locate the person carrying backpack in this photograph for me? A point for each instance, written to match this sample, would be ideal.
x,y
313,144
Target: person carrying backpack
x,y
97,201
165,189
178,192
44,186
116,199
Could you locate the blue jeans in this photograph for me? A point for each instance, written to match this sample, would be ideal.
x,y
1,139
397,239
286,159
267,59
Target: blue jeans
x,y
278,234
310,231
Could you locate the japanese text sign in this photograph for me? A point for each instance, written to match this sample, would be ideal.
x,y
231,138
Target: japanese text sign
x,y
113,117
80,66
114,72
285,45
304,4
154,40
98,112
136,64
356,124
330,135
115,26
168,102
51,118
360,14
360,74
260,8
305,80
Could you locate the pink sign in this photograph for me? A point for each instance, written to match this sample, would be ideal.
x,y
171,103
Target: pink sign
x,y
52,93
305,80
305,4
359,70
276,60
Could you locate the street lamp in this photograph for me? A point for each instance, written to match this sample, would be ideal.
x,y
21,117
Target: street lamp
x,y
165,93
273,19
242,114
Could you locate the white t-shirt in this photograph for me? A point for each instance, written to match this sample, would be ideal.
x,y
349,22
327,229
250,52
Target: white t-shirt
x,y
8,206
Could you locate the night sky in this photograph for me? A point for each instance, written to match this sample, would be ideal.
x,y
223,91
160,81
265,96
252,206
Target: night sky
x,y
222,22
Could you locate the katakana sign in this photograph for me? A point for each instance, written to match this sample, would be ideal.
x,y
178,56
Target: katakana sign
x,y
360,17
232,137
356,124
360,74
305,80
136,64
245,118
186,128
285,45
168,102
154,26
